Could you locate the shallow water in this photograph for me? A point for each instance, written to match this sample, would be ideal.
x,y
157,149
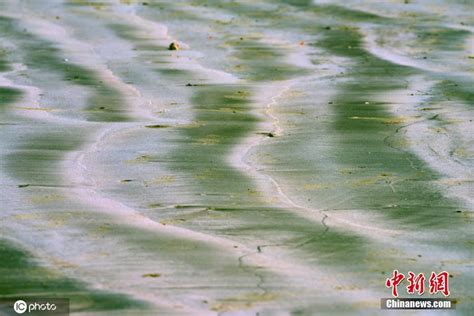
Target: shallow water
x,y
285,161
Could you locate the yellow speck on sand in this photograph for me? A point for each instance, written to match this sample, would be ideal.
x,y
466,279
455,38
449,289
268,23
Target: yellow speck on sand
x,y
401,142
347,287
385,120
161,180
368,181
239,95
254,193
35,109
99,231
365,304
151,275
293,93
193,124
205,174
48,198
63,264
315,186
463,152
454,181
28,216
211,139
172,221
242,302
56,222
95,5
347,171
139,159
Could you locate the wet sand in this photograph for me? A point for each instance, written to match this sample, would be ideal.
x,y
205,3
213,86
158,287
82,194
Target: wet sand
x,y
285,161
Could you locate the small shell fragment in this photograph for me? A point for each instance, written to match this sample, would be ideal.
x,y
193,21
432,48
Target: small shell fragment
x,y
174,46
